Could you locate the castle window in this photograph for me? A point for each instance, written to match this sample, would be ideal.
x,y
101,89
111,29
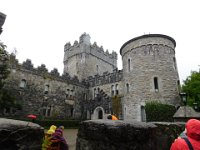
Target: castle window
x,y
77,68
67,94
155,80
97,69
112,90
85,96
116,88
174,61
22,83
179,86
46,89
143,114
127,88
71,94
94,92
98,90
129,65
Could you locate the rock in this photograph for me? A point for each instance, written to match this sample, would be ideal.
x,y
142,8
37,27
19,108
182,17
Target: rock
x,y
20,135
115,135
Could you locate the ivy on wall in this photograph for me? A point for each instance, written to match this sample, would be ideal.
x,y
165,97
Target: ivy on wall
x,y
116,105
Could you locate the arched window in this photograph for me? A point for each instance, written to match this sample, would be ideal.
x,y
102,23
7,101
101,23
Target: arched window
x,y
155,80
112,90
143,114
116,89
46,89
94,92
174,61
97,69
127,88
129,65
22,83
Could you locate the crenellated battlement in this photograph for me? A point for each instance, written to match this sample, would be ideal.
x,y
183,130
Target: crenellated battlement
x,y
41,70
106,78
84,46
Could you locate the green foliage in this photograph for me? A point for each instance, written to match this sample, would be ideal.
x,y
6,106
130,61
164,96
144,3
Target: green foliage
x,y
191,86
116,105
65,123
6,99
4,63
156,111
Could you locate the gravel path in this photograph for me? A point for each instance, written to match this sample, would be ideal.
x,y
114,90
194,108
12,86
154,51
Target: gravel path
x,y
70,135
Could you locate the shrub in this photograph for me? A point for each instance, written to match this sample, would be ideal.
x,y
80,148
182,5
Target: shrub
x,y
65,123
156,111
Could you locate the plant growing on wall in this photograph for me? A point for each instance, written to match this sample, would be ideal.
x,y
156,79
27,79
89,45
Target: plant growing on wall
x,y
6,99
156,111
116,105
4,62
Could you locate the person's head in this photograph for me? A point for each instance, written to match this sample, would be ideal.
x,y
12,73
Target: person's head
x,y
61,127
109,117
51,130
193,128
58,132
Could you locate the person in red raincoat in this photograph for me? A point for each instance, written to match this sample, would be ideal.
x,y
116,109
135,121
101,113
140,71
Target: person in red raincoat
x,y
193,135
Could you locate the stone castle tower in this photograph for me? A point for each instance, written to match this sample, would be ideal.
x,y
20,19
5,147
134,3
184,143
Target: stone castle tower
x,y
149,73
83,59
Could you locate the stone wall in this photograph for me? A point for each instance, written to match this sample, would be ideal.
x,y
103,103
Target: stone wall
x,y
20,135
47,93
126,135
2,20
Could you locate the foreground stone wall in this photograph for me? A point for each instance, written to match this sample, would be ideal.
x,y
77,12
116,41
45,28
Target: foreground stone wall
x,y
20,135
126,135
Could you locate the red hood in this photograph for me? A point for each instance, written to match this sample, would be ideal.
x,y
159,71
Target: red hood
x,y
193,129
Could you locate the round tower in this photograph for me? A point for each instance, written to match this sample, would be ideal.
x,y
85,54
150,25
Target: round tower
x,y
149,73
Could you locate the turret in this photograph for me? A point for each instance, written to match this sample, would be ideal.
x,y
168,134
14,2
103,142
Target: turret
x,y
150,73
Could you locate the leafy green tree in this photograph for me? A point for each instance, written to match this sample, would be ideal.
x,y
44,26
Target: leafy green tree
x,y
4,63
191,86
6,99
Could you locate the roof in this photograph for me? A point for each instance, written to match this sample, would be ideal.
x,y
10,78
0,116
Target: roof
x,y
186,112
146,36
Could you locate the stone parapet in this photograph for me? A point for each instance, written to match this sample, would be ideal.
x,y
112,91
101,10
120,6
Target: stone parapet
x,y
126,135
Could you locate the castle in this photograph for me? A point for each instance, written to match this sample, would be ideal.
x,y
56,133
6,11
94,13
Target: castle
x,y
92,86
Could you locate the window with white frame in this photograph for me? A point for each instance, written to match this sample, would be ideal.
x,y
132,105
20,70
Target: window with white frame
x,y
22,83
46,89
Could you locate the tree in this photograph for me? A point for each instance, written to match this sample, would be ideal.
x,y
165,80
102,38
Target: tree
x,y
191,86
6,99
4,63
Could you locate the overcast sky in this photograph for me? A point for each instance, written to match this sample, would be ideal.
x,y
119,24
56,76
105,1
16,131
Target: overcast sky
x,y
39,29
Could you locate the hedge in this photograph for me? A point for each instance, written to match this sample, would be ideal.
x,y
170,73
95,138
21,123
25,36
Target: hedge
x,y
156,111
